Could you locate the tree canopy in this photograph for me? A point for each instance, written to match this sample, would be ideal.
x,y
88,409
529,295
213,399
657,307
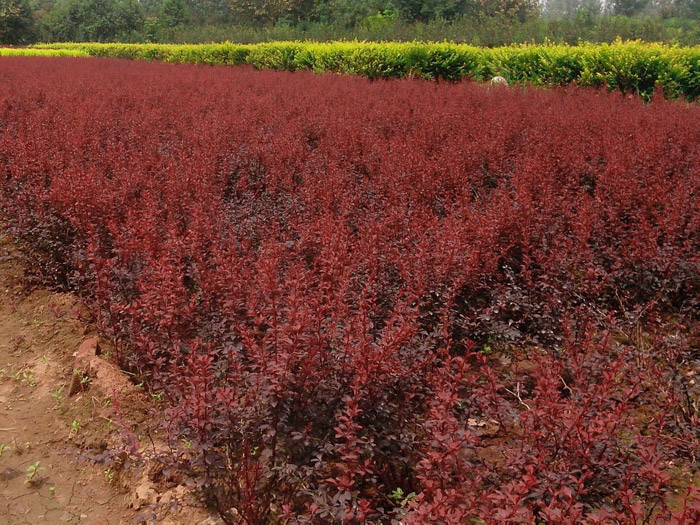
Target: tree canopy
x,y
22,21
16,22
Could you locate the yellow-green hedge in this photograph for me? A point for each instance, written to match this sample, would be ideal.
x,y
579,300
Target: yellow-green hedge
x,y
28,52
634,67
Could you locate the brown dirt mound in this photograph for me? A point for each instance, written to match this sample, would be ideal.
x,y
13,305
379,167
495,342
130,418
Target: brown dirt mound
x,y
56,406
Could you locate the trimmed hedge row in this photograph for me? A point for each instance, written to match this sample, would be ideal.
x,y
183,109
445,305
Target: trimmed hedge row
x,y
23,52
632,67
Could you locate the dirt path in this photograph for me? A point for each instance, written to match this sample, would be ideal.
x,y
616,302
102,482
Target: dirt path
x,y
43,430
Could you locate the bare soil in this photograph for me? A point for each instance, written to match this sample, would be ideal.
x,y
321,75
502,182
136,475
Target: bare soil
x,y
52,418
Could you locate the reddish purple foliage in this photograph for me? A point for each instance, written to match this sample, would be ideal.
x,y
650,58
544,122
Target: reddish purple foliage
x,y
488,298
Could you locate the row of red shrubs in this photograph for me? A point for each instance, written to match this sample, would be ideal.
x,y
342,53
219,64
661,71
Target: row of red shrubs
x,y
376,301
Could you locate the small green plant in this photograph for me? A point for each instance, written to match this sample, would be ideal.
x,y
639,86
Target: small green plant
x,y
25,376
75,426
109,476
4,448
84,378
28,378
400,498
33,473
158,396
57,394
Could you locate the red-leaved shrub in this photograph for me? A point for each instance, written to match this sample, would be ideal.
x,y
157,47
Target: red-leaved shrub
x,y
376,301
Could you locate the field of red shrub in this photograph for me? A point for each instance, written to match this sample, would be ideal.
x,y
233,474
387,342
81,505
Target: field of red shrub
x,y
375,301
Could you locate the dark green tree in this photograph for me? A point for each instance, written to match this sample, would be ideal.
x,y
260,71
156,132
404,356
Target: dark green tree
x,y
16,22
93,21
629,7
509,9
211,11
688,8
174,13
429,9
570,8
350,13
261,12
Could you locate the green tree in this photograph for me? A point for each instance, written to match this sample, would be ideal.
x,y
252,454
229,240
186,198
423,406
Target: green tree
x,y
93,21
261,12
350,13
629,7
429,9
211,11
174,13
511,9
570,8
689,8
16,22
